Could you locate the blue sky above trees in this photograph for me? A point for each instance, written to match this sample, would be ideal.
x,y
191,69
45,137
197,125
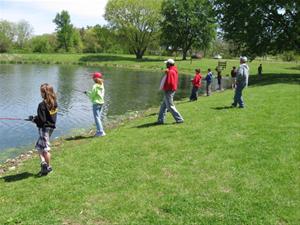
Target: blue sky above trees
x,y
40,13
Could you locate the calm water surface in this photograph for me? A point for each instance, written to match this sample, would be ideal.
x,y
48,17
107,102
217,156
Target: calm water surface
x,y
125,91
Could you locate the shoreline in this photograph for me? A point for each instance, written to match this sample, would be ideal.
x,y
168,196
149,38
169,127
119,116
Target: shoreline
x,y
148,63
12,163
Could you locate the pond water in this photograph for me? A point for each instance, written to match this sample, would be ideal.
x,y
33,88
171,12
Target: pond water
x,y
125,91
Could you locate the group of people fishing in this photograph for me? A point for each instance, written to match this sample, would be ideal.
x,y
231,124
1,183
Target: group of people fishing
x,y
46,116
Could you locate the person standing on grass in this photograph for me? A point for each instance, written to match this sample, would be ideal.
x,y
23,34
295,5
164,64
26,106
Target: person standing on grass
x,y
241,82
169,87
219,77
96,95
259,71
233,77
196,85
208,79
45,121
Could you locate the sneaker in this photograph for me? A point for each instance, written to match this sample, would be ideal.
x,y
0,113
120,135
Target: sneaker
x,y
100,134
44,169
179,121
233,105
49,169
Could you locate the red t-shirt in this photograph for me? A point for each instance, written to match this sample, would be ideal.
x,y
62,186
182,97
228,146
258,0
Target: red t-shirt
x,y
197,80
171,79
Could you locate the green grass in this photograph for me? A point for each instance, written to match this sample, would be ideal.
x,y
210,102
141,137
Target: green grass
x,y
222,166
148,63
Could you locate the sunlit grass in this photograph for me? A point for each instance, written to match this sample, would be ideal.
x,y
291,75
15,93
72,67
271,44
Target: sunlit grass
x,y
222,166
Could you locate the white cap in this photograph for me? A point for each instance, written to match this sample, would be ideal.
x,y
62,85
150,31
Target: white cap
x,y
170,61
243,58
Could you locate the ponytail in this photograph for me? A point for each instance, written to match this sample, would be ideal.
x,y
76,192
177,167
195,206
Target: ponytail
x,y
98,81
49,96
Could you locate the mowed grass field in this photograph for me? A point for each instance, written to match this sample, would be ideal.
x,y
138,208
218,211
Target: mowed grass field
x,y
155,63
221,166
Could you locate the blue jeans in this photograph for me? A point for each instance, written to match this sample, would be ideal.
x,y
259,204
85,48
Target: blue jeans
x,y
238,98
194,94
208,88
168,104
97,111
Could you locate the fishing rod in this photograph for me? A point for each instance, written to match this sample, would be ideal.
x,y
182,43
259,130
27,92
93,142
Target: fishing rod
x,y
78,90
8,118
30,118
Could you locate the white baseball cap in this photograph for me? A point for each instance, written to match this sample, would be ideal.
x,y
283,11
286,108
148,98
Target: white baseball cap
x,y
243,58
170,61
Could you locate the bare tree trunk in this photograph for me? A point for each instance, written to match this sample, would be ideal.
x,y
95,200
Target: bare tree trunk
x,y
139,53
184,54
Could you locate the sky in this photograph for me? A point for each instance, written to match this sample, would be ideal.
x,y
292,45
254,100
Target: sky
x,y
40,13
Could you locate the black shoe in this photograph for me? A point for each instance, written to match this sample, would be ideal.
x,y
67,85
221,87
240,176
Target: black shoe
x,y
233,105
44,169
179,121
241,107
49,169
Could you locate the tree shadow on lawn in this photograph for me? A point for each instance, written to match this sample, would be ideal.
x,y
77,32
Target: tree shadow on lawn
x,y
101,58
294,68
18,177
268,79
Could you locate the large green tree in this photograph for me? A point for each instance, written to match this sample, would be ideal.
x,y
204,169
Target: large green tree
x,y
45,43
187,24
65,30
136,21
7,35
258,27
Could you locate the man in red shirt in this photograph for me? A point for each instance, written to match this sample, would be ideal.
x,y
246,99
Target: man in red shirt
x,y
169,88
196,85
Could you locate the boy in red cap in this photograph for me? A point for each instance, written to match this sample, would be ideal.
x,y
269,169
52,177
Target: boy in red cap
x,y
196,85
96,96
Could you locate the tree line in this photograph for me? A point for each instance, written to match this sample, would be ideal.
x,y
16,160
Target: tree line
x,y
228,27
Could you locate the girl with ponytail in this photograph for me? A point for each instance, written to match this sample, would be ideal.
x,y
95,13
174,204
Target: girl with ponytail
x,y
45,121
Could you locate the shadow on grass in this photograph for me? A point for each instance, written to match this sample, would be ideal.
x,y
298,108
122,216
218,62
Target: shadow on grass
x,y
222,107
101,58
152,114
153,124
18,177
274,79
80,137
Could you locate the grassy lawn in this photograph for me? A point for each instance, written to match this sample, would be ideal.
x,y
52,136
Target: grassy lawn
x,y
222,166
148,63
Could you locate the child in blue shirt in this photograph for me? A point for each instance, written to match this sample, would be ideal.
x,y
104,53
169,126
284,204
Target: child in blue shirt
x,y
208,79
